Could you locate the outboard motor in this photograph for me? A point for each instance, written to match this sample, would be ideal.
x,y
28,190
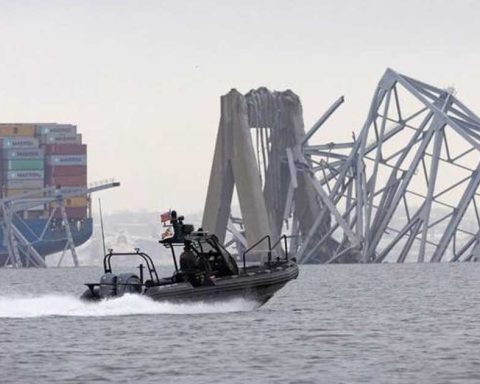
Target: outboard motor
x,y
112,285
128,283
108,285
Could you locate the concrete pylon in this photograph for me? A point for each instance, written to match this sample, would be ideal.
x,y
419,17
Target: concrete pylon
x,y
234,164
288,133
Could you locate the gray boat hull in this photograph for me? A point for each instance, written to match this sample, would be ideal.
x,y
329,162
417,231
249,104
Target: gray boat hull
x,y
257,284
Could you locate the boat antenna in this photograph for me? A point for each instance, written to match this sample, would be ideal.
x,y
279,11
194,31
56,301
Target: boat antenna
x,y
101,224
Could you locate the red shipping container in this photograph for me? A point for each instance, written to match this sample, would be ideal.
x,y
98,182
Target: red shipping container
x,y
66,149
72,213
65,170
67,181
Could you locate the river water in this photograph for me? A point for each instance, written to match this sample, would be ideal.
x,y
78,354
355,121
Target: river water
x,y
386,323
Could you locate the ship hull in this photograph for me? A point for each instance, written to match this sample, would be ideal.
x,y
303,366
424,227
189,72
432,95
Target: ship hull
x,y
48,238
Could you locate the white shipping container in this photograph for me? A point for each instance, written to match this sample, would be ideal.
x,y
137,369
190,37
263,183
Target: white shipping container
x,y
23,175
49,128
23,184
54,138
19,142
55,160
22,153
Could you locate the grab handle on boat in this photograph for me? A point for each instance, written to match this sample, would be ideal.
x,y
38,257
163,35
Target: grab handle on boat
x,y
267,237
140,268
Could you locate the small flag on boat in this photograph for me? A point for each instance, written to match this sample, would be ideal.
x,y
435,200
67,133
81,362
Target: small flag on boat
x,y
166,216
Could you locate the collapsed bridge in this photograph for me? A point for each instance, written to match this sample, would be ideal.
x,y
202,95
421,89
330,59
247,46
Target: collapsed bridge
x,y
405,188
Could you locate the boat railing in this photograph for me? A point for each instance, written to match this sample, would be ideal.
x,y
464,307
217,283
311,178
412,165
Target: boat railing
x,y
268,239
269,242
285,244
107,263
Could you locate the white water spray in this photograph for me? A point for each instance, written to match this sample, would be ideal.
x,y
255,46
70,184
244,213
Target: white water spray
x,y
58,305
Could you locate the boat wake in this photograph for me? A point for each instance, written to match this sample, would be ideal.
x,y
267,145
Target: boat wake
x,y
63,305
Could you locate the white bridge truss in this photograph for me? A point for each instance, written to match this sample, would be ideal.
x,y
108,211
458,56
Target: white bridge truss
x,y
21,251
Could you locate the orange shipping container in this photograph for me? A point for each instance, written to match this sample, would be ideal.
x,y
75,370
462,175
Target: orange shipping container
x,y
14,130
17,192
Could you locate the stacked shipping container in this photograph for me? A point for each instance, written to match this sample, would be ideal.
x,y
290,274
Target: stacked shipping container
x,y
22,163
34,156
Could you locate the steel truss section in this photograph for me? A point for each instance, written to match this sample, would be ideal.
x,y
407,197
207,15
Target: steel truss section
x,y
408,186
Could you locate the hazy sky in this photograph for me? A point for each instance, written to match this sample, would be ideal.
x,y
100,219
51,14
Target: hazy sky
x,y
142,79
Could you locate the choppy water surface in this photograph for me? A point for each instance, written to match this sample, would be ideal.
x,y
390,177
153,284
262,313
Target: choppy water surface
x,y
335,324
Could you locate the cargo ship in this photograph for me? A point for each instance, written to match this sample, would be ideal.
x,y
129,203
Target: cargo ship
x,y
37,156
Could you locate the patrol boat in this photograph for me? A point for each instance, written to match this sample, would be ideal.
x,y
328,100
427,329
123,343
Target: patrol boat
x,y
207,271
